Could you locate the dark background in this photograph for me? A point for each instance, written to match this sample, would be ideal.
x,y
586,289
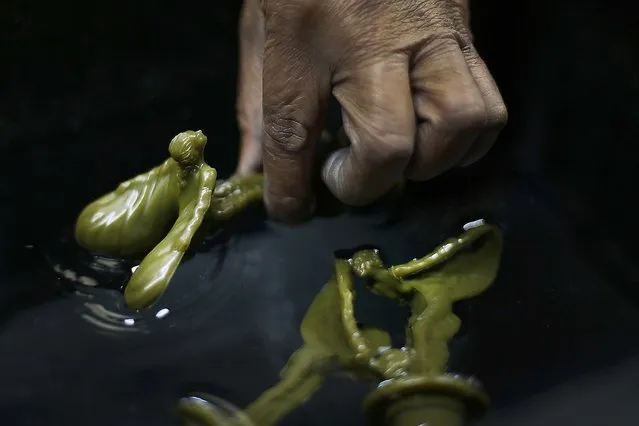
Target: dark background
x,y
92,92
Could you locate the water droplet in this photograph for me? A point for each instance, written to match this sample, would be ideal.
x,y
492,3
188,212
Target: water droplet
x,y
162,313
474,224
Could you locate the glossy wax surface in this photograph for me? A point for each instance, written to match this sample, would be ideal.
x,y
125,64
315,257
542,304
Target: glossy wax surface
x,y
84,107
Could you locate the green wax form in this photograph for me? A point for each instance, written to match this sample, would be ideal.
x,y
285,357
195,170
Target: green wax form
x,y
132,219
197,181
428,410
156,215
333,339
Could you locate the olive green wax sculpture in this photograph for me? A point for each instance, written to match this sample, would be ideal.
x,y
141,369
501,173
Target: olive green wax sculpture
x,y
414,387
156,215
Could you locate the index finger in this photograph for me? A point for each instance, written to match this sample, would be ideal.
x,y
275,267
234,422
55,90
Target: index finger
x,y
294,96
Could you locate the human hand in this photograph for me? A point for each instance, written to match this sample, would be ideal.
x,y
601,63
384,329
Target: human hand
x,y
416,97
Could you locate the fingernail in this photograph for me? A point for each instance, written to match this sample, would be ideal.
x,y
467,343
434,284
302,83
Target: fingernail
x,y
331,171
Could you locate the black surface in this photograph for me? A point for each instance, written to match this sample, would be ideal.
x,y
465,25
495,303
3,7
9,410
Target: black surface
x,y
554,341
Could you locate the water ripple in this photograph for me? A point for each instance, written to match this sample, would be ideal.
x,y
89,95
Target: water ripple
x,y
194,297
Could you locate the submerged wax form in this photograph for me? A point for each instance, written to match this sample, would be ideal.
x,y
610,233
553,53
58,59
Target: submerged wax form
x,y
414,387
157,214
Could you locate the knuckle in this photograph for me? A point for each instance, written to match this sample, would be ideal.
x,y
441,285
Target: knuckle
x,y
286,134
464,36
498,115
388,145
461,111
445,15
278,12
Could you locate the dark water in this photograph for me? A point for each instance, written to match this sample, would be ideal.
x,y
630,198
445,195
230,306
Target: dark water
x,y
92,94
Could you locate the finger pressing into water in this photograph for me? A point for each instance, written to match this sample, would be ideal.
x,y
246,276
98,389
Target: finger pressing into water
x,y
296,89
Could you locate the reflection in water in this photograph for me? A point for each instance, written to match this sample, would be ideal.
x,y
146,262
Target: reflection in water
x,y
98,282
108,320
73,276
206,410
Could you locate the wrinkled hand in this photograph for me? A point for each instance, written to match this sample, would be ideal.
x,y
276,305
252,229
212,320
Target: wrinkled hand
x,y
416,97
